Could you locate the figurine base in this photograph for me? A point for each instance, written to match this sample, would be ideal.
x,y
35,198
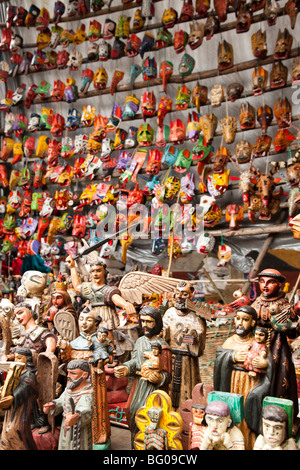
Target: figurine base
x,y
105,446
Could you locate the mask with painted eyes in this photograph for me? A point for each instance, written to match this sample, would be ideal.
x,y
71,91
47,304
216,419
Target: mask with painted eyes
x,y
133,45
100,78
183,161
259,44
243,150
283,112
225,55
138,20
186,65
244,18
177,131
208,125
199,96
131,106
221,7
165,72
131,139
187,11
262,146
193,127
109,29
212,25
172,186
148,103
145,135
217,95
183,97
163,38
282,140
278,76
229,128
149,68
196,34
271,10
247,116
264,117
169,17
234,91
180,40
259,80
283,45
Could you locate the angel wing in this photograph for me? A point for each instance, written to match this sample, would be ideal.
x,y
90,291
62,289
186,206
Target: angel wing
x,y
136,283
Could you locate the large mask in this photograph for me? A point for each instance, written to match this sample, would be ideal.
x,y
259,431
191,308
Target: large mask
x,y
264,117
145,135
262,146
177,132
149,68
100,78
225,55
148,103
278,76
221,7
186,65
187,11
247,116
212,25
180,41
229,128
163,38
259,44
259,80
212,213
169,18
283,45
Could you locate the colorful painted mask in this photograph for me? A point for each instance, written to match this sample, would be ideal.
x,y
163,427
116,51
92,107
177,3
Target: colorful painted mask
x,y
202,7
133,45
183,97
177,132
225,55
278,76
123,27
148,104
180,41
164,107
117,50
71,91
243,150
145,135
262,146
131,139
172,186
146,44
154,162
283,139
196,35
162,135
149,68
186,65
283,112
163,38
212,212
199,96
165,72
100,79
183,161
244,18
259,80
169,156
118,76
205,243
217,95
264,117
234,215
94,32
208,124
109,29
229,128
131,106
169,18
259,44
221,7
247,116
104,50
283,45
193,127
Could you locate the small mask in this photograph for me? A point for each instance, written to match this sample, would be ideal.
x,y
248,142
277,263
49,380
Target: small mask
x,y
177,132
247,116
262,146
234,91
199,96
212,25
283,112
186,65
169,18
244,19
243,151
278,76
259,44
259,80
208,125
183,97
196,34
229,128
180,41
283,45
264,117
225,55
187,11
163,38
148,103
165,72
216,95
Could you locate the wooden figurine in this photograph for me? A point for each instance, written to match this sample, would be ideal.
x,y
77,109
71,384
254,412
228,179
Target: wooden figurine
x,y
275,313
79,348
197,427
151,323
102,349
61,312
230,377
275,430
221,433
18,401
42,343
103,298
77,405
185,332
158,426
152,362
258,347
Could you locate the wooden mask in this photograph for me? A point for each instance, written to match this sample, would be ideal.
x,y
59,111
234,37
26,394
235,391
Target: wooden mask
x,y
283,45
259,44
247,116
208,125
259,80
283,112
264,117
225,55
278,75
229,127
243,150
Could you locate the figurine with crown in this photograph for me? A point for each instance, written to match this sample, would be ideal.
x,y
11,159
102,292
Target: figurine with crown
x,y
60,314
